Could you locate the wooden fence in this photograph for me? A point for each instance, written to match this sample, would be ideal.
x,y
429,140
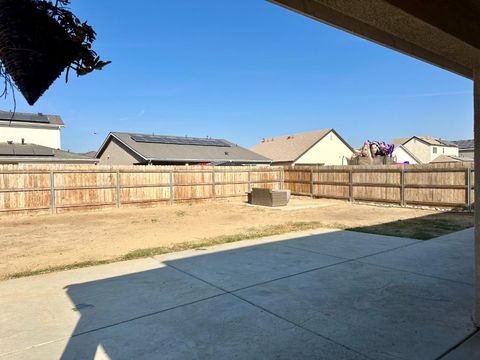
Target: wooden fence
x,y
423,185
56,188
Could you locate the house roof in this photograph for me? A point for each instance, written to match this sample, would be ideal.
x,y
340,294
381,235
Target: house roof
x,y
464,144
449,159
14,152
400,141
29,118
289,148
429,140
176,150
89,154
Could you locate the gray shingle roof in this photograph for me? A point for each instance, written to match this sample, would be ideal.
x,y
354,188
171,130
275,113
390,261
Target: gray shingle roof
x,y
464,144
187,153
36,153
428,140
450,158
37,119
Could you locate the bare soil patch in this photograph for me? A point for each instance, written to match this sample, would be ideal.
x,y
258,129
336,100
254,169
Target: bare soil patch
x,y
34,242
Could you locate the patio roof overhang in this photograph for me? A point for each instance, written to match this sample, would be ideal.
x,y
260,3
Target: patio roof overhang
x,y
445,33
442,32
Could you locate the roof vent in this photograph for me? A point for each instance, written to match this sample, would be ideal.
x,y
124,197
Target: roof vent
x,y
23,141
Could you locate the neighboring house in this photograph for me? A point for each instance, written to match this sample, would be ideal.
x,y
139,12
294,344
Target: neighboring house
x,y
90,154
141,149
465,148
427,148
450,159
37,129
402,155
13,153
324,147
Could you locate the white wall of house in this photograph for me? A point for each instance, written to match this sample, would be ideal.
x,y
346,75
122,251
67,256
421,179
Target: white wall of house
x,y
45,136
436,151
328,151
426,152
401,156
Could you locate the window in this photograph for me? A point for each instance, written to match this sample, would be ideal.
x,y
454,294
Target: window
x,y
434,150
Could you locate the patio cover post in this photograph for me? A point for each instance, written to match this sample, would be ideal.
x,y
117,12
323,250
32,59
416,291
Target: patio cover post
x,y
476,122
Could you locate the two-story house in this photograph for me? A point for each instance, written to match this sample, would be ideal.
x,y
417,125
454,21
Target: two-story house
x,y
34,138
427,148
36,129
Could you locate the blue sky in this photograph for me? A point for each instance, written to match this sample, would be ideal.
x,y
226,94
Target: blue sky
x,y
244,70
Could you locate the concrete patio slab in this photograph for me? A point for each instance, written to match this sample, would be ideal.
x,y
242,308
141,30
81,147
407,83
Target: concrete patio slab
x,y
239,268
295,303
41,309
349,244
449,257
223,327
469,350
381,313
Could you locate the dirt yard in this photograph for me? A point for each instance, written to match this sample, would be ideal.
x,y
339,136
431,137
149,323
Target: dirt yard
x,y
33,242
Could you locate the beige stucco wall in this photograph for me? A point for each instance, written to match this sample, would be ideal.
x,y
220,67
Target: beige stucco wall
x,y
445,150
118,154
425,153
401,156
466,154
328,151
421,150
41,136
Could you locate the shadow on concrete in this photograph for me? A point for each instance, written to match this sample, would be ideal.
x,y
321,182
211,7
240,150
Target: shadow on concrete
x,y
335,295
424,227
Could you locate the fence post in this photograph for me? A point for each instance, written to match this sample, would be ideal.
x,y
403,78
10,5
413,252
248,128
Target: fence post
x,y
469,188
249,179
171,187
52,193
118,189
214,193
311,182
402,188
282,185
350,185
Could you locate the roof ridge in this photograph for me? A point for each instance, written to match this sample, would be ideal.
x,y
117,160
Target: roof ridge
x,y
163,135
301,133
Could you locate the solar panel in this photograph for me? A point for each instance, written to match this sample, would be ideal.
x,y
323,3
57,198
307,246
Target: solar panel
x,y
179,140
36,118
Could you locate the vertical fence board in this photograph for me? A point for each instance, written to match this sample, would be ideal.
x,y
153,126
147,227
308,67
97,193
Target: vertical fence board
x,y
29,187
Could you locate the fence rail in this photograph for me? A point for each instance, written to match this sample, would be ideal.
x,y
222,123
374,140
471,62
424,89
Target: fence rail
x,y
427,185
57,188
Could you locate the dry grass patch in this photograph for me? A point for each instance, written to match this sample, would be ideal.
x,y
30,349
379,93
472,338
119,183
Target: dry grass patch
x,y
253,233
